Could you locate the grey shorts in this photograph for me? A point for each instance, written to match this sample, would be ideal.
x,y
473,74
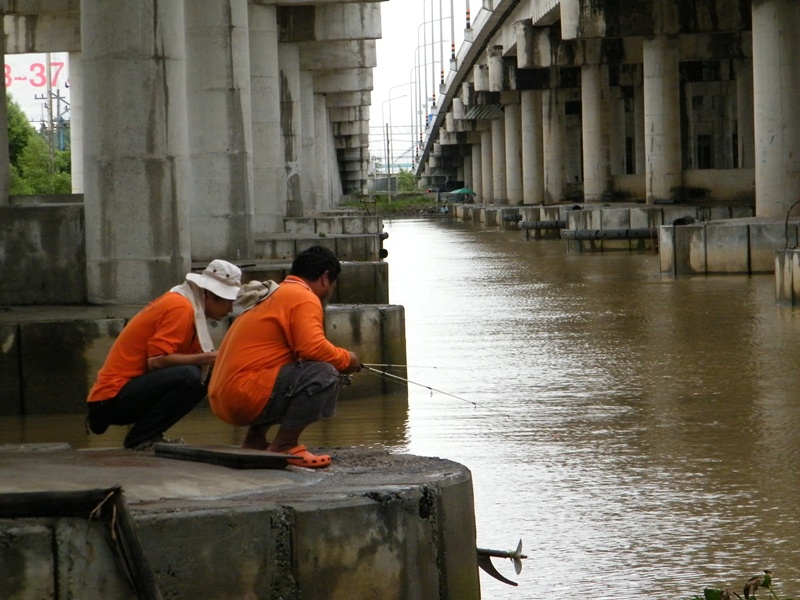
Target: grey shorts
x,y
304,393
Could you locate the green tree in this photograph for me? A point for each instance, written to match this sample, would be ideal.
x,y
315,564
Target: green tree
x,y
32,170
406,182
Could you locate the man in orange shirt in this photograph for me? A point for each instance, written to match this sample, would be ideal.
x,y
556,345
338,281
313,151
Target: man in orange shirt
x,y
153,374
275,364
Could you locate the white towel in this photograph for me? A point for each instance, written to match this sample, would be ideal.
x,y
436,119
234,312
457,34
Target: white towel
x,y
195,295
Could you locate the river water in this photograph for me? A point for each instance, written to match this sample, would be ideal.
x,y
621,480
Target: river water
x,y
638,433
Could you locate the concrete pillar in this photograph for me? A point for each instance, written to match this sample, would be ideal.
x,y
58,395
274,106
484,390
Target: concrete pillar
x,y
487,190
76,84
554,144
532,151
466,169
136,200
744,113
499,193
495,65
776,85
477,171
308,190
291,125
662,119
617,132
5,166
220,161
595,124
325,162
269,180
513,154
638,127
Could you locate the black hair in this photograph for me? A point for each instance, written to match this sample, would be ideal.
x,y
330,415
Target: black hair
x,y
312,263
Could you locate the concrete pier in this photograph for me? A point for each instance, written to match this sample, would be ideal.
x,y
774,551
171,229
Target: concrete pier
x,y
372,525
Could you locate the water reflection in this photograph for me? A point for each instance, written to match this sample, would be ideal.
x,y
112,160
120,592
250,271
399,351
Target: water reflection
x,y
639,434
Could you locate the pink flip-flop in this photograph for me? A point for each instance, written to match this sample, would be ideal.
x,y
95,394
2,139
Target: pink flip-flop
x,y
304,458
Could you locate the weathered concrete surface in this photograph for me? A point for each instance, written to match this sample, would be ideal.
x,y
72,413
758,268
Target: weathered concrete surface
x,y
372,525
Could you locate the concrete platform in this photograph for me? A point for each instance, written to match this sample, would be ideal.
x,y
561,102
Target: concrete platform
x,y
372,525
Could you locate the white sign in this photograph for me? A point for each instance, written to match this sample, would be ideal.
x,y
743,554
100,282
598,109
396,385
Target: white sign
x,y
30,78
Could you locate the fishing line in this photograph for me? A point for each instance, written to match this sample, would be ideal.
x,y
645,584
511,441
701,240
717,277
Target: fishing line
x,y
394,366
391,376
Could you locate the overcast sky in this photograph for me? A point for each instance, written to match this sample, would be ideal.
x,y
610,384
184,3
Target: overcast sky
x,y
406,26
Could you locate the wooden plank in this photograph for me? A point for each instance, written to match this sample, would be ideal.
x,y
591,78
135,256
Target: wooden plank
x,y
226,456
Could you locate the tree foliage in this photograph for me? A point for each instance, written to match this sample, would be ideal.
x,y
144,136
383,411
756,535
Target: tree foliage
x,y
33,172
406,182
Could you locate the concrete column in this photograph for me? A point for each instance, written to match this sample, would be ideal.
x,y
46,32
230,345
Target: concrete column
x,y
269,180
532,151
617,132
487,190
499,193
513,154
638,125
291,125
5,166
554,144
744,117
477,171
466,169
776,85
324,162
309,192
662,119
218,81
136,200
495,65
595,124
76,146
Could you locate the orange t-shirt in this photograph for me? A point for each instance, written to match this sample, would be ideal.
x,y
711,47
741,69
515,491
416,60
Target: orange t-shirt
x,y
286,327
165,326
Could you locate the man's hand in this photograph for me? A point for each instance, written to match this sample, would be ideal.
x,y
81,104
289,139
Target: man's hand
x,y
355,364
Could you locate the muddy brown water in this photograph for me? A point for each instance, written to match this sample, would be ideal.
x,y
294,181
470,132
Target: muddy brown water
x,y
639,433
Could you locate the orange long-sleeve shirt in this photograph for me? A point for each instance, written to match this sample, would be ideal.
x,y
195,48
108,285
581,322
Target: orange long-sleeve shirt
x,y
165,326
286,327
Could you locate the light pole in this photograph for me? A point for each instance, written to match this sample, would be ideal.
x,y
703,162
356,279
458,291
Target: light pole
x,y
387,127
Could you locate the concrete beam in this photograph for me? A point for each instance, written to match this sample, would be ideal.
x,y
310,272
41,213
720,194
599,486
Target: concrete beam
x,y
344,54
42,33
346,80
623,18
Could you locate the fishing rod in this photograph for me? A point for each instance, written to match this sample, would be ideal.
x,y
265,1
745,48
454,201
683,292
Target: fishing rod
x,y
394,377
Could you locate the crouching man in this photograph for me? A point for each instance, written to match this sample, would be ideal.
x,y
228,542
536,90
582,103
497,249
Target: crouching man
x,y
153,374
275,365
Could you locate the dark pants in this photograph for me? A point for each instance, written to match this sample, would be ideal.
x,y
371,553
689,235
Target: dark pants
x,y
152,402
304,393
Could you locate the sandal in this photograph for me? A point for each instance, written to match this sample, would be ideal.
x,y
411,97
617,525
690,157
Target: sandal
x,y
304,458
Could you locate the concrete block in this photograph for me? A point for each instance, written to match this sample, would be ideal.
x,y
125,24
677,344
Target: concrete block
x,y
765,239
26,558
379,547
356,284
299,225
358,328
671,213
252,543
43,254
10,380
353,225
63,356
690,249
742,212
275,249
646,217
727,248
666,249
490,217
87,566
784,294
456,521
303,243
615,218
328,225
352,247
795,274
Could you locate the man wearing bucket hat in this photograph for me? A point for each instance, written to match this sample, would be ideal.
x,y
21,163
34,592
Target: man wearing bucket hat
x,y
154,373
